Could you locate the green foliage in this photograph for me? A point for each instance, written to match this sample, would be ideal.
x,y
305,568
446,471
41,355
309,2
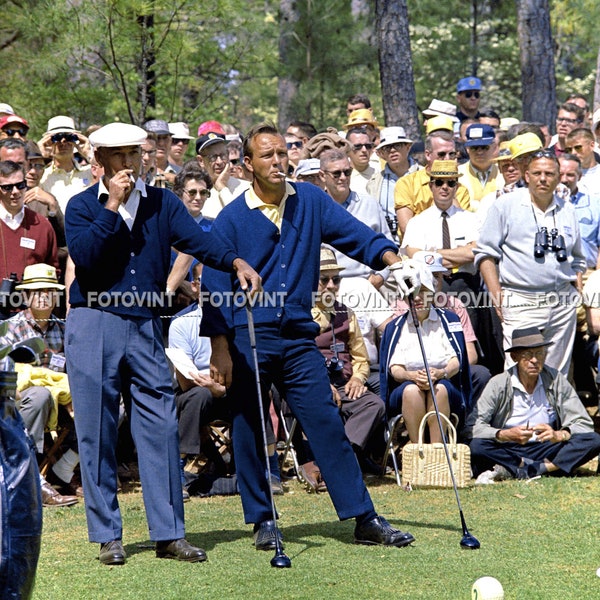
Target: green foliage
x,y
220,59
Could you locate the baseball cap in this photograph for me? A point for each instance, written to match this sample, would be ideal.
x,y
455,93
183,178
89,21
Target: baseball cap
x,y
468,83
204,141
480,134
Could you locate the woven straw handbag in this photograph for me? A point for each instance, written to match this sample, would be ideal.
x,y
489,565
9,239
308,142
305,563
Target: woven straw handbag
x,y
426,466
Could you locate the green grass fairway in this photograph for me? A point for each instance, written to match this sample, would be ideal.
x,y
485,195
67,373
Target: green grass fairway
x,y
539,539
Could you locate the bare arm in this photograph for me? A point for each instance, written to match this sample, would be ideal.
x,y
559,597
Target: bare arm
x,y
489,272
404,215
179,270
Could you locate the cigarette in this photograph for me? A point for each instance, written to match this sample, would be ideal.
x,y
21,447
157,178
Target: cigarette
x,y
527,426
281,174
132,178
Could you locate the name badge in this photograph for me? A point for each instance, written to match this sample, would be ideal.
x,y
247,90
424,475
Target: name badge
x,y
455,326
57,362
339,347
27,243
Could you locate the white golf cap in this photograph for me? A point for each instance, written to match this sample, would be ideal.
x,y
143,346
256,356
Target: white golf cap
x,y
118,134
308,166
180,131
6,109
392,135
433,260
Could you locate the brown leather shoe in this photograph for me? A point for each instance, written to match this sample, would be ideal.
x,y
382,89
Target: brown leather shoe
x,y
179,550
311,475
50,497
112,553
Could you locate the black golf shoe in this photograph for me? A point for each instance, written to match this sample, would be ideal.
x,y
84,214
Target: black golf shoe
x,y
378,532
265,536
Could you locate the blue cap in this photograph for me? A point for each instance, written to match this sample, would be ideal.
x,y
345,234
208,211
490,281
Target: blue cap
x,y
480,134
468,83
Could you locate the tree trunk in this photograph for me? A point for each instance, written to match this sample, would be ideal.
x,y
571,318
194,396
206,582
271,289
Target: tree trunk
x,y
596,103
537,62
146,67
395,66
287,86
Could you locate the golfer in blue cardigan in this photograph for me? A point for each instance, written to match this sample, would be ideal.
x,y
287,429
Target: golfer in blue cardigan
x,y
279,227
120,234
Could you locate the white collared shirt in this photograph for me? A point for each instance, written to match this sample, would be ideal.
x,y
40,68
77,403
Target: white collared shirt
x,y
14,222
128,210
529,408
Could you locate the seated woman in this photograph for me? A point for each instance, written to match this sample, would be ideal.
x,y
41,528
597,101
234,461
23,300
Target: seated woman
x,y
404,383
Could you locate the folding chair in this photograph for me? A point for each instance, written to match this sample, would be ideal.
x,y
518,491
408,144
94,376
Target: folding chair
x,y
389,433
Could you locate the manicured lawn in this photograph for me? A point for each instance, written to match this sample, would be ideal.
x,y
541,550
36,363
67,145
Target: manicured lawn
x,y
540,539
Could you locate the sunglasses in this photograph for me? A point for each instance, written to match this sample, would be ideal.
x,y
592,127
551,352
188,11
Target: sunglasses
x,y
201,193
441,182
338,174
471,94
529,354
297,144
234,162
397,147
577,148
176,141
482,148
567,120
324,279
12,132
357,147
215,157
8,187
64,137
450,155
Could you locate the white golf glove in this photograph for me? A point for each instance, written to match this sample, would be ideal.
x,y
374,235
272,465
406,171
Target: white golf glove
x,y
407,276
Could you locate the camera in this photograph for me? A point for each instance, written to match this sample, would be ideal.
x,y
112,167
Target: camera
x,y
542,243
334,365
392,224
7,288
558,246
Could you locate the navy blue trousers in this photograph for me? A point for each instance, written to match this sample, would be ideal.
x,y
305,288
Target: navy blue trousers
x,y
486,453
297,369
107,354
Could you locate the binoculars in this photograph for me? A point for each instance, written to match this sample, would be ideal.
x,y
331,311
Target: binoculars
x,y
334,365
552,240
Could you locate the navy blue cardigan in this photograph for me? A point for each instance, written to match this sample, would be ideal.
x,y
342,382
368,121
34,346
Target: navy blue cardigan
x,y
390,338
288,262
125,271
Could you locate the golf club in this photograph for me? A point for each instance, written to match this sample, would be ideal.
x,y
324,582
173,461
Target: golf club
x,y
468,541
280,560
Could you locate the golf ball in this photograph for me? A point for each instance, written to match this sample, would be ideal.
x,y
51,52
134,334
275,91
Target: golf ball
x,y
598,572
487,588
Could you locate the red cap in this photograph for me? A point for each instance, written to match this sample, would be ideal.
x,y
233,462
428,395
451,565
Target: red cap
x,y
12,119
209,126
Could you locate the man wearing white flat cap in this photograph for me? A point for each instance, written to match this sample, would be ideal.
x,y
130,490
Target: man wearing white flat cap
x,y
120,234
393,148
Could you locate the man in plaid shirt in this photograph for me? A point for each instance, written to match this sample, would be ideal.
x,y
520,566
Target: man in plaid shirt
x,y
40,290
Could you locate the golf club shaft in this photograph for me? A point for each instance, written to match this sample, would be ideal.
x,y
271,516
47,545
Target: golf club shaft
x,y
417,323
252,335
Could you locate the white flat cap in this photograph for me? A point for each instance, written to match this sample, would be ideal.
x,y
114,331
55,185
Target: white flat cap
x,y
439,107
118,134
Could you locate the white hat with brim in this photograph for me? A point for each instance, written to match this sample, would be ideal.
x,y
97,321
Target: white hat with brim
x,y
180,131
392,135
39,277
114,135
61,124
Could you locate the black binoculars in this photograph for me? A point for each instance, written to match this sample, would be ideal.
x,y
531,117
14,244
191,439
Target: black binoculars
x,y
545,240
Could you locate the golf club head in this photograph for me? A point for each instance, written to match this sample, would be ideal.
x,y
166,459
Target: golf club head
x,y
3,328
281,561
469,542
